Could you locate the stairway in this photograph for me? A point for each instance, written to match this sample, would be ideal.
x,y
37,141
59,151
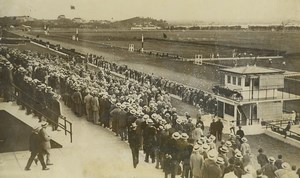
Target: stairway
x,y
32,121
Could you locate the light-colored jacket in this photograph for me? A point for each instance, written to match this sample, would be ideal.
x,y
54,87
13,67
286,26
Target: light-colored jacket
x,y
196,163
45,139
95,104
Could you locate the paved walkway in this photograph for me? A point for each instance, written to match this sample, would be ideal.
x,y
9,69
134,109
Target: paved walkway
x,y
95,152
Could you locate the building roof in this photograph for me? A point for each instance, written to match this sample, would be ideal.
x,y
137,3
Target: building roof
x,y
252,70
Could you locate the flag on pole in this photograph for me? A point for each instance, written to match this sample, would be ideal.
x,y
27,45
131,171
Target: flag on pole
x,y
72,7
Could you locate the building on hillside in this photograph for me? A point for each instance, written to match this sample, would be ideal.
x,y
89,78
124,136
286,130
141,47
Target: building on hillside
x,y
252,94
78,20
148,27
61,17
23,18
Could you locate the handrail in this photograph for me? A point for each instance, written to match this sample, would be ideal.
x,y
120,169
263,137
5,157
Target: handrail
x,y
63,126
279,129
279,122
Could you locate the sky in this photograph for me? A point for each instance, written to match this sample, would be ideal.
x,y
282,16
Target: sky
x,y
240,11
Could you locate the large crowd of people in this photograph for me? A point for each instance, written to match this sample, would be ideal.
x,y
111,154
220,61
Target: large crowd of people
x,y
138,109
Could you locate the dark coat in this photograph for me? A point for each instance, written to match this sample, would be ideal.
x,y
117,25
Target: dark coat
x,y
211,169
35,142
133,138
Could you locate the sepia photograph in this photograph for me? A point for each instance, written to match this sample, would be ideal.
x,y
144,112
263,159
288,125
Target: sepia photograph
x,y
149,88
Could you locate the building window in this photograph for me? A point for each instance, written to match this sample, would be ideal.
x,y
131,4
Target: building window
x,y
234,80
228,79
239,81
229,109
247,81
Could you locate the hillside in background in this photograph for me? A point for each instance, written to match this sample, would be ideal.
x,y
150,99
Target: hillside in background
x,y
17,21
140,21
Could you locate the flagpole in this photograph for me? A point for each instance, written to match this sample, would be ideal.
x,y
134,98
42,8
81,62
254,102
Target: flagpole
x,y
142,50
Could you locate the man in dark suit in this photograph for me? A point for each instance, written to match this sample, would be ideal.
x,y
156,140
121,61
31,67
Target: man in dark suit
x,y
35,147
77,99
134,143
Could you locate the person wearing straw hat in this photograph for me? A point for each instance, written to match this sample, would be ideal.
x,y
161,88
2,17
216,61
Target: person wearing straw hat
x,y
221,163
115,119
173,150
95,107
210,167
134,143
196,161
196,133
87,101
269,169
248,173
245,147
77,100
185,149
223,154
35,149
7,81
149,135
56,111
229,173
45,142
105,107
284,171
122,115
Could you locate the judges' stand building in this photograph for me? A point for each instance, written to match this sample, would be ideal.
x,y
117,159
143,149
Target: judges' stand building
x,y
252,95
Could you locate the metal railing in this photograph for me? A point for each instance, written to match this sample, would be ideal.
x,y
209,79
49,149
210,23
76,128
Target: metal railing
x,y
66,126
276,126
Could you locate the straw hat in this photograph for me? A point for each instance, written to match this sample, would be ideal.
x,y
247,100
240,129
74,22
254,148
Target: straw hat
x,y
238,155
184,136
196,148
44,124
228,143
271,159
212,154
220,160
176,135
224,149
244,139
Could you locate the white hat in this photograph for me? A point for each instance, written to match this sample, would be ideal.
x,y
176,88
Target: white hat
x,y
118,104
199,142
220,160
184,136
271,159
176,135
212,137
133,124
154,116
244,139
205,147
196,148
228,143
123,106
149,121
238,155
146,116
286,166
44,124
224,149
178,121
212,154
36,129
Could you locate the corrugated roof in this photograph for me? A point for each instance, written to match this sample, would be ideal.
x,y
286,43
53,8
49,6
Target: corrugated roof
x,y
252,70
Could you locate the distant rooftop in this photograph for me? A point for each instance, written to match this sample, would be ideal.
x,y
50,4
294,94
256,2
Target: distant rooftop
x,y
252,70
